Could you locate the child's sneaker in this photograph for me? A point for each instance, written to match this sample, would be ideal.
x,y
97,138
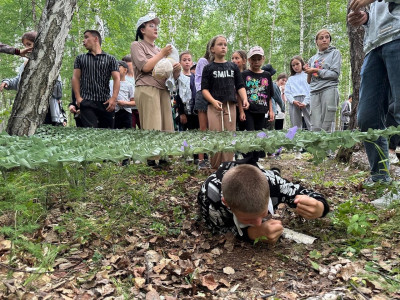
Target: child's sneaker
x,y
393,159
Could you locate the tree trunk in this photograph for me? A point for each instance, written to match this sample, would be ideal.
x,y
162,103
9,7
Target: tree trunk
x,y
302,26
356,35
41,72
248,24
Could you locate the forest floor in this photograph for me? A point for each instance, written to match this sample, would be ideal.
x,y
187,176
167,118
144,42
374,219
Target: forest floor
x,y
103,231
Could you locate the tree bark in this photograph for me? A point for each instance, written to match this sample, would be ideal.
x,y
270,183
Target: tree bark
x,y
356,37
302,26
271,45
41,72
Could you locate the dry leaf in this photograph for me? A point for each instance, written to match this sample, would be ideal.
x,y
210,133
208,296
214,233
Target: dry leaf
x,y
139,282
228,270
5,245
225,282
290,295
209,282
262,274
349,271
152,295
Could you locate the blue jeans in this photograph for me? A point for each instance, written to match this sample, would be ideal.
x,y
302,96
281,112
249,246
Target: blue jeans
x,y
379,77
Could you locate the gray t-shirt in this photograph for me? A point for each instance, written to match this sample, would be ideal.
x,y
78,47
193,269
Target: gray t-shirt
x,y
126,92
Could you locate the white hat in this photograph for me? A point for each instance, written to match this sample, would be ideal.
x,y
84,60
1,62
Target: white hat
x,y
163,69
255,50
150,16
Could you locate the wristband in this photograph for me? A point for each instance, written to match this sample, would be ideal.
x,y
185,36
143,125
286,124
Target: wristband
x,y
17,51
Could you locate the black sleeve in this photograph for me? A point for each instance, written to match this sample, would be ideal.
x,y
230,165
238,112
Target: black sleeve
x,y
238,78
179,105
284,191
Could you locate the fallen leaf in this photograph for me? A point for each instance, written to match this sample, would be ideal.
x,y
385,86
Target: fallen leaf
x,y
228,270
152,295
349,271
139,282
5,245
209,282
225,282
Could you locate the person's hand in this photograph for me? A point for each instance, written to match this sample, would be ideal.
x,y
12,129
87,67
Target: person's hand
x,y
110,104
301,105
176,70
166,50
271,116
357,18
242,116
217,105
297,103
306,67
3,86
309,208
121,103
356,5
72,109
25,51
78,101
246,104
311,70
183,119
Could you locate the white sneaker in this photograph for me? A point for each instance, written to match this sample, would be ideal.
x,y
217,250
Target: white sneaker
x,y
393,159
385,200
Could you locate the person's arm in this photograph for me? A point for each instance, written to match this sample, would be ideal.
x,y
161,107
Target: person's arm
x,y
239,85
288,91
243,102
271,111
356,5
307,203
112,101
76,86
205,89
277,97
142,63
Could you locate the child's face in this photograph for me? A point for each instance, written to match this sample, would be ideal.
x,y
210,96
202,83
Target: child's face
x,y
186,62
28,43
238,60
256,61
123,70
251,219
296,66
282,81
220,48
323,41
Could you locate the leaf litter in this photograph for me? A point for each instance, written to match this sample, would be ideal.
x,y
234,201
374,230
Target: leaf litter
x,y
144,261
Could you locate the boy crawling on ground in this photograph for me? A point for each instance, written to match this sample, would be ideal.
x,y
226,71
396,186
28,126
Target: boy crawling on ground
x,y
237,198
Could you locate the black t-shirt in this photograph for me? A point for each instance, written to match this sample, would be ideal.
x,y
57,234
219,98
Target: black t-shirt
x,y
259,90
222,80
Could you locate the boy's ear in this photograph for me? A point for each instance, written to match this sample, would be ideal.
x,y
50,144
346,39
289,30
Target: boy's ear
x,y
224,202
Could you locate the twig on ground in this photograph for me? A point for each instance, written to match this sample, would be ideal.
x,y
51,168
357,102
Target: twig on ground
x,y
358,291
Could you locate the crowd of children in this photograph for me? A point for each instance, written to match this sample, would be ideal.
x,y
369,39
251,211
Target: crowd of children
x,y
223,95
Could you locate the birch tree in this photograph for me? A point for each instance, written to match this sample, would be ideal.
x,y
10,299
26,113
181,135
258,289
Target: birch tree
x,y
38,79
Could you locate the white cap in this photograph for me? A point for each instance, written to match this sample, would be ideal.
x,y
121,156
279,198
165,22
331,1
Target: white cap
x,y
150,16
255,50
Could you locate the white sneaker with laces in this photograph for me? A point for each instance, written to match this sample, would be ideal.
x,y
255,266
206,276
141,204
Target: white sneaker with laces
x,y
393,159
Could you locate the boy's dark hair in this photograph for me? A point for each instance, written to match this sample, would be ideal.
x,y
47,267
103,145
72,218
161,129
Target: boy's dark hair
x,y
30,36
246,189
300,59
139,33
350,96
281,76
183,53
94,33
127,58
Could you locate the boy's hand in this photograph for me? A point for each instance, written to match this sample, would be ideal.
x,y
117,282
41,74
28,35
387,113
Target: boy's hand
x,y
111,104
271,229
23,52
357,18
3,86
72,109
309,208
217,105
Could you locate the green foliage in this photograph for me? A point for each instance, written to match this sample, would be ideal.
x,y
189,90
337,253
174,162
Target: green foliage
x,y
55,146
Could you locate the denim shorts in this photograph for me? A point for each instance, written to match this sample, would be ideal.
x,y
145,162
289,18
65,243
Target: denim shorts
x,y
200,104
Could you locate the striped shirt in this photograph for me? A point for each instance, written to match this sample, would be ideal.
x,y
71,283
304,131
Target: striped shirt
x,y
95,75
